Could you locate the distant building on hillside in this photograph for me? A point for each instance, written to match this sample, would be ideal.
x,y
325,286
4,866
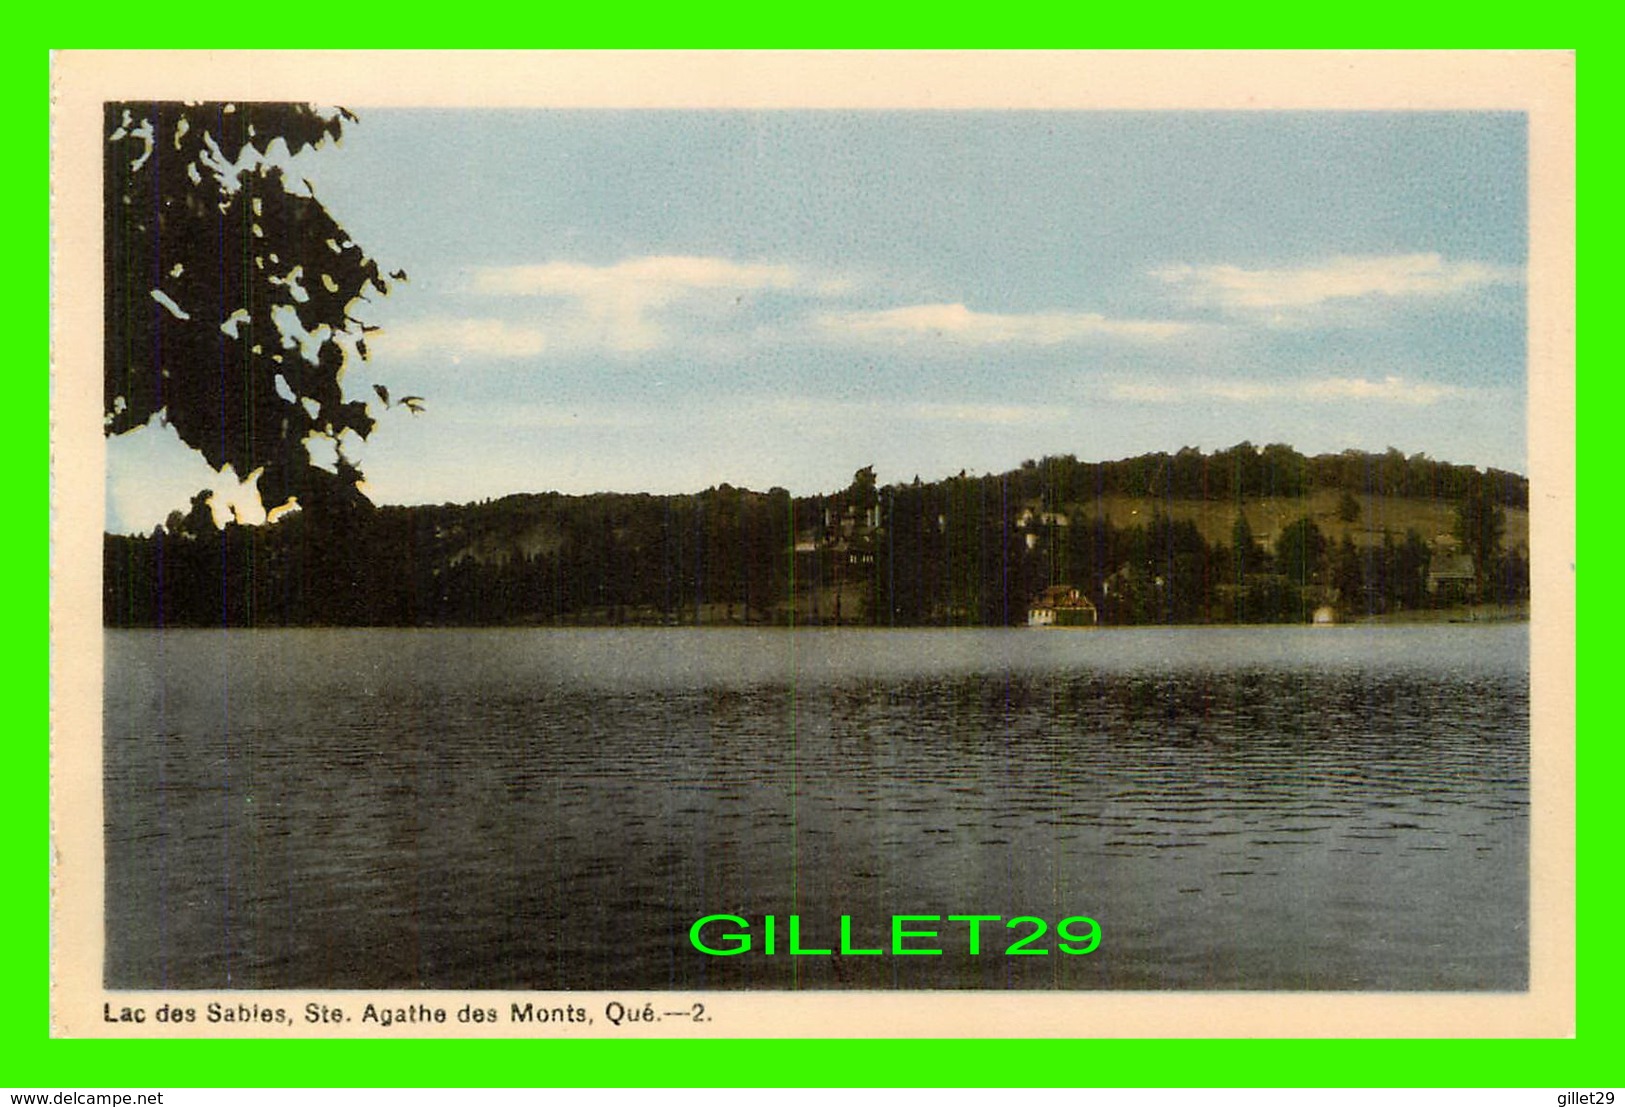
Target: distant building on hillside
x,y
1038,517
1033,521
1451,577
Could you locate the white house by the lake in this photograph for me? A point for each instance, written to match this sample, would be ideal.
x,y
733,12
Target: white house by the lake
x,y
1062,606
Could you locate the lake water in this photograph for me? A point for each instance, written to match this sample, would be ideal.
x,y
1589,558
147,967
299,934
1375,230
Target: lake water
x,y
1239,808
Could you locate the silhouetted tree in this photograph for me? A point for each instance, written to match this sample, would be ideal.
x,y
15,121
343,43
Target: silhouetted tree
x,y
1480,525
1348,575
1299,551
1410,574
228,294
1248,554
861,494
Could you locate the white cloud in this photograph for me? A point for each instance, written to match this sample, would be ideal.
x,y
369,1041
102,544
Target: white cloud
x,y
1146,393
958,324
628,306
1249,392
987,414
491,338
654,280
1391,390
652,303
757,410
1325,390
560,416
1339,278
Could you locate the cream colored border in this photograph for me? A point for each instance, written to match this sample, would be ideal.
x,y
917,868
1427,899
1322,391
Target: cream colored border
x,y
1541,84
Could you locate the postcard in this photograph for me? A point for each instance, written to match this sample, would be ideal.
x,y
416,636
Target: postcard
x,y
813,544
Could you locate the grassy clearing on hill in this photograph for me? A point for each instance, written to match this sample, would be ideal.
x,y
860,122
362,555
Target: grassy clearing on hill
x,y
1268,517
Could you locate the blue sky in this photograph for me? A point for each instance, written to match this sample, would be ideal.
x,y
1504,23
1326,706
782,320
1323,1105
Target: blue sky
x,y
663,301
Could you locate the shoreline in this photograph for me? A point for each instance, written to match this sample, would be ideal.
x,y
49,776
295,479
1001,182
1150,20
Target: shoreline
x,y
1467,616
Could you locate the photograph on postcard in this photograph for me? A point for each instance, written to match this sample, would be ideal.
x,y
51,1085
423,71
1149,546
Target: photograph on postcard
x,y
758,549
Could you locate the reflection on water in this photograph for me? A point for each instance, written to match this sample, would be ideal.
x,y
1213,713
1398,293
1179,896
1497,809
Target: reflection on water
x,y
1240,808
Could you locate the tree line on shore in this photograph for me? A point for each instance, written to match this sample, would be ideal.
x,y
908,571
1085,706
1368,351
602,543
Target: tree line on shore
x,y
967,550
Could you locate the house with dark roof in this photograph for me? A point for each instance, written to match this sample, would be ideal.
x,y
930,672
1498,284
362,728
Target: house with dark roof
x,y
1451,577
1062,606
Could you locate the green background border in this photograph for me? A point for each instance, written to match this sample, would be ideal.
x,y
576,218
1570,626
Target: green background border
x,y
32,1059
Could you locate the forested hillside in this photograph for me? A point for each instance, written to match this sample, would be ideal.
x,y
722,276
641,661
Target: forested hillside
x,y
1246,534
